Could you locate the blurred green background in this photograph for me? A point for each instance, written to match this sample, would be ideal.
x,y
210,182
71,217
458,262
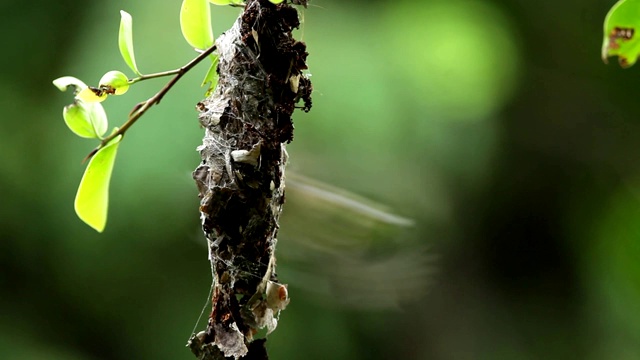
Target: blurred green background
x,y
494,125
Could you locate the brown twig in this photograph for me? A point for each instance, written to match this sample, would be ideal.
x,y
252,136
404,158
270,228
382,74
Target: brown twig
x,y
142,107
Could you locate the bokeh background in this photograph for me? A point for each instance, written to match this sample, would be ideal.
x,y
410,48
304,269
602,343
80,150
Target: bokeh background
x,y
493,124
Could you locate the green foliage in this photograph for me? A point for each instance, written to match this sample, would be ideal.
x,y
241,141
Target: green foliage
x,y
85,119
64,82
195,23
91,95
125,41
211,77
92,199
114,82
86,116
621,33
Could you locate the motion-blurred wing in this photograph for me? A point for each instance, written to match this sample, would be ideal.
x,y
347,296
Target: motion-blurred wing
x,y
343,246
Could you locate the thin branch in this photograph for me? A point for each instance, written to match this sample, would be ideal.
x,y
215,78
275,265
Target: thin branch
x,y
153,76
142,107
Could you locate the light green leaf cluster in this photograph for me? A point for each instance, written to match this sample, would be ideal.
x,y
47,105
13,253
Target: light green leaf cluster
x,y
88,119
621,33
85,118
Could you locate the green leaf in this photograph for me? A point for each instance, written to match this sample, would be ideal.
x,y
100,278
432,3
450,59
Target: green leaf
x,y
621,32
98,118
125,41
92,199
85,120
276,1
64,82
115,82
212,75
195,23
91,95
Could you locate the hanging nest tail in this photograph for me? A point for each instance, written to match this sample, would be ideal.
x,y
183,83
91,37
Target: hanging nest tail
x,y
247,122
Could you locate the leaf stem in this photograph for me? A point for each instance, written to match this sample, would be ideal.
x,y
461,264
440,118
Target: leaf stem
x,y
142,107
153,76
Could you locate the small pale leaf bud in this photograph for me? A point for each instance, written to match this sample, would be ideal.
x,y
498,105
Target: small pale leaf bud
x,y
114,82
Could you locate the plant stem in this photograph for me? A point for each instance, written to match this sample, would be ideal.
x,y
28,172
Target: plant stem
x,y
153,76
142,107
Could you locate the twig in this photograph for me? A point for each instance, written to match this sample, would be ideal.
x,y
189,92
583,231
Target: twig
x,y
142,107
155,75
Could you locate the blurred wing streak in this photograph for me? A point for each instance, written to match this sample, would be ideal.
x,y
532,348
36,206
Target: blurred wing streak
x,y
339,245
368,284
342,198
